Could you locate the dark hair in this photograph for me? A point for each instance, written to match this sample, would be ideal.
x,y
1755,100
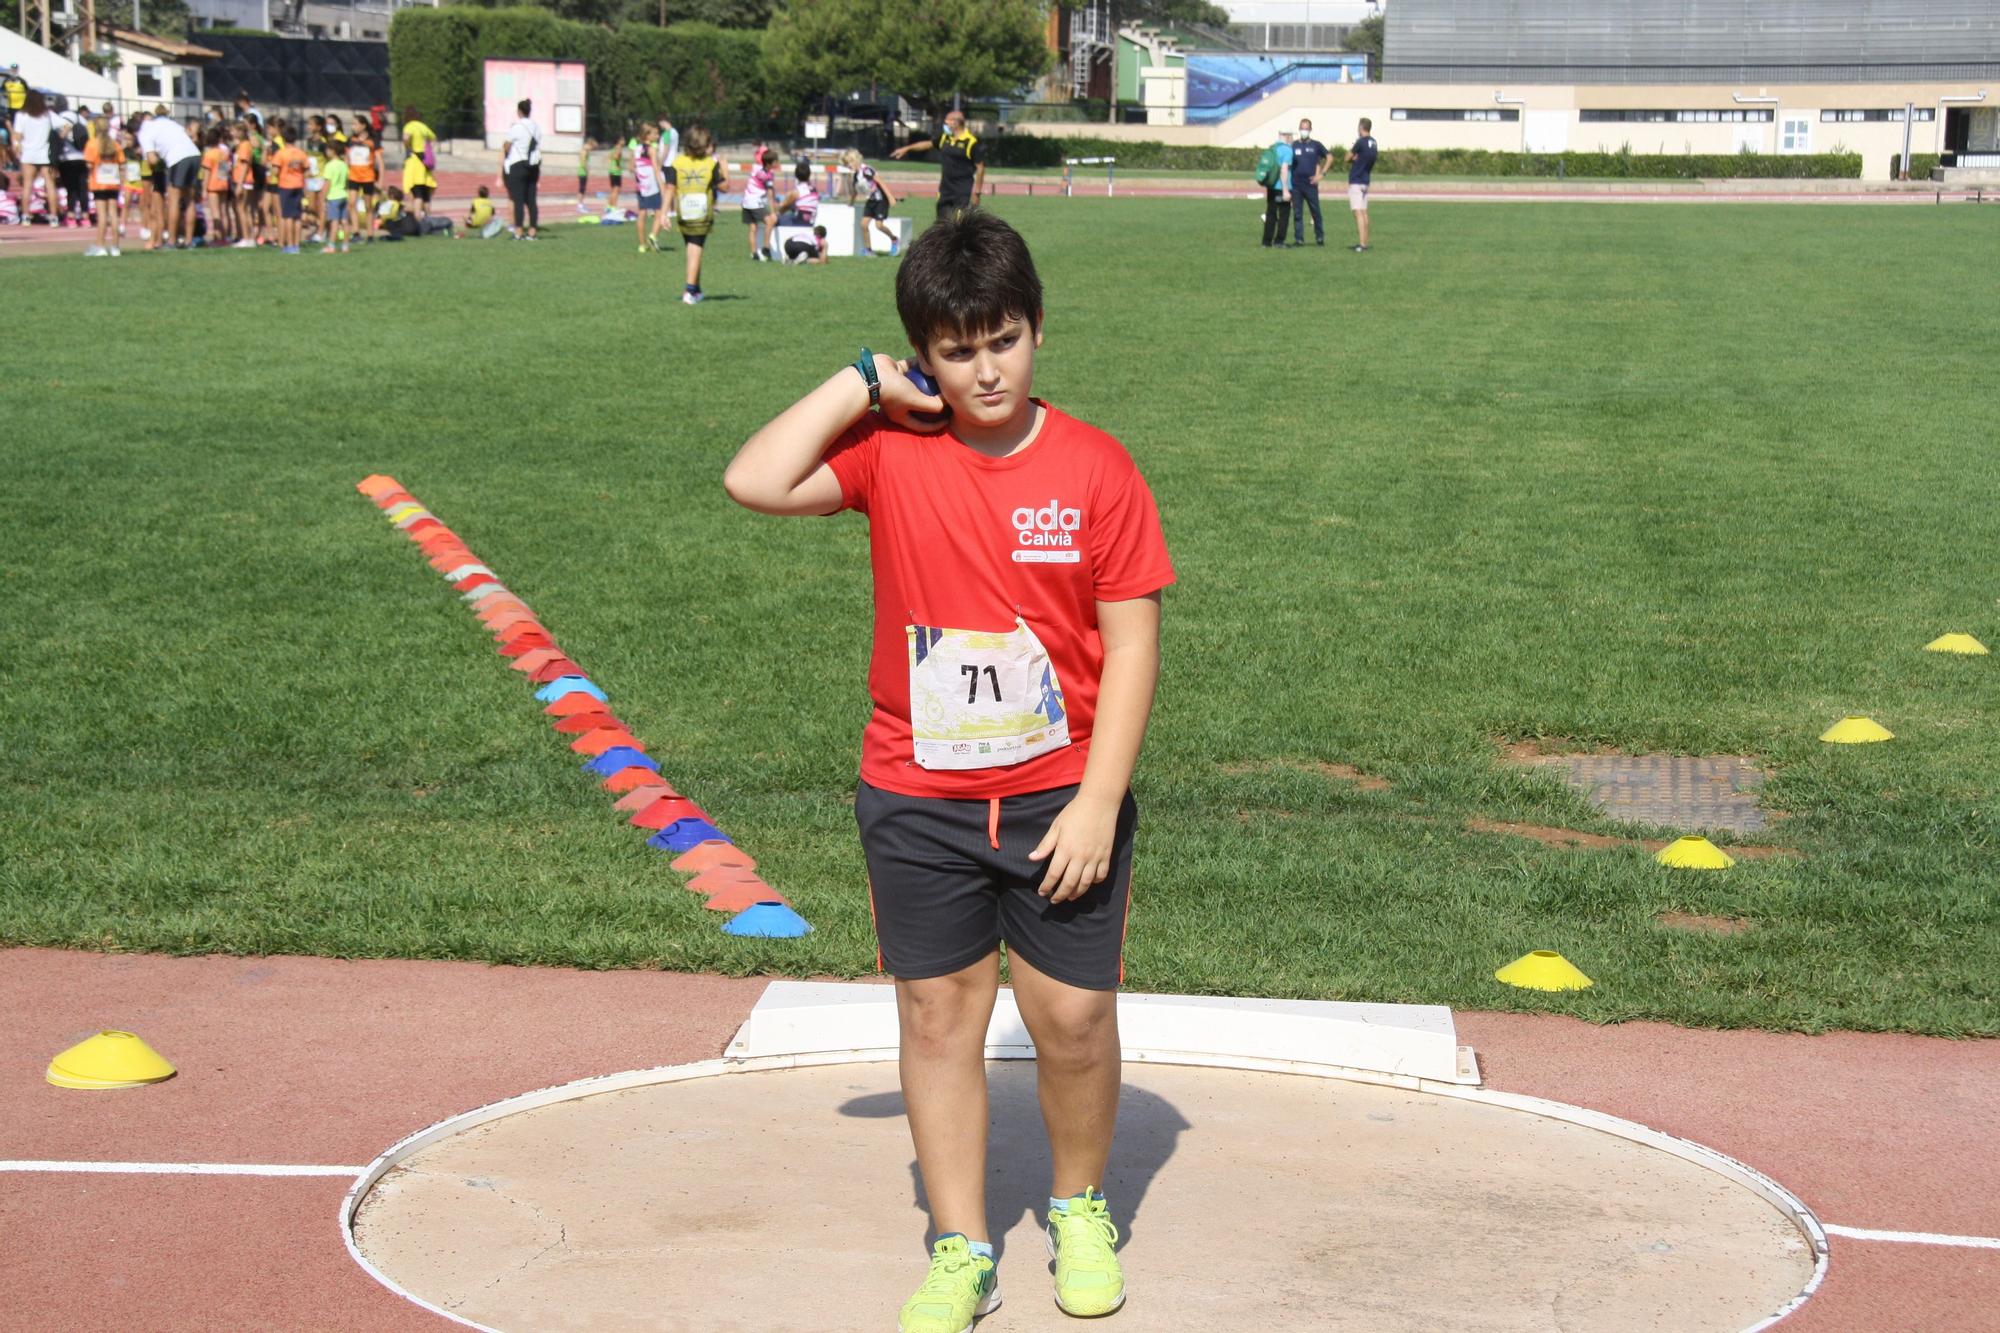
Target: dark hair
x,y
35,104
804,171
524,106
1367,124
965,276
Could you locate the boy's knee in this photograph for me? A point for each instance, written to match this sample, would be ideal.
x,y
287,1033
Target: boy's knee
x,y
938,1011
1076,1032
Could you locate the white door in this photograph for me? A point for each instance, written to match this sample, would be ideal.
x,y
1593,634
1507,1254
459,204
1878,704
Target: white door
x,y
1794,132
1750,137
1548,131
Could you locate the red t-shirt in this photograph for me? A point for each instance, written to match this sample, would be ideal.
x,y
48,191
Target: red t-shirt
x,y
959,539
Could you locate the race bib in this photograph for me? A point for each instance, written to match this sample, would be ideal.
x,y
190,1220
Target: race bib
x,y
982,700
132,174
693,207
357,156
108,173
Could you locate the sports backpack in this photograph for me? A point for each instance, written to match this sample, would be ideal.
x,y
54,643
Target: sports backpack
x,y
1267,168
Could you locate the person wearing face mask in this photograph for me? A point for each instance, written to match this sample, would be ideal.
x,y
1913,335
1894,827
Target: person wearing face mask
x,y
1309,159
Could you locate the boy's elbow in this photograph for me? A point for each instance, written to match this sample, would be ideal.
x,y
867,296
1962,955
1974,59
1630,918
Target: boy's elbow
x,y
738,487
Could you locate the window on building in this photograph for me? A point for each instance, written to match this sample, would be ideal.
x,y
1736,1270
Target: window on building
x,y
148,77
1891,114
1733,115
371,35
187,85
1443,113
1795,135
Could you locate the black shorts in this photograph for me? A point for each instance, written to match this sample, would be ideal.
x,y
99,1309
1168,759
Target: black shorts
x,y
876,207
361,187
754,216
291,203
943,897
104,196
948,207
615,179
423,192
184,174
697,241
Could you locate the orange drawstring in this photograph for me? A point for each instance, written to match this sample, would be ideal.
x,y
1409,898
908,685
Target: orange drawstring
x,y
993,822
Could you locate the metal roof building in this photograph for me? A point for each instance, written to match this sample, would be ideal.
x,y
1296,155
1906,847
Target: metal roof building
x,y
1691,41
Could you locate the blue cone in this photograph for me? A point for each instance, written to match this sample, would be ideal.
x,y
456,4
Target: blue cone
x,y
562,685
767,921
621,756
685,834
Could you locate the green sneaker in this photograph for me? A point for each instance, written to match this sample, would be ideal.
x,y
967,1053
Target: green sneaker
x,y
960,1287
1088,1279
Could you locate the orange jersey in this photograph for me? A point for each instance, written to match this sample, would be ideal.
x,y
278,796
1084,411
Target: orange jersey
x,y
239,174
216,162
364,160
106,173
292,163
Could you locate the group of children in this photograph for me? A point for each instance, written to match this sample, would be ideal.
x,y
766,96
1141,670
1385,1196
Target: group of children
x,y
258,184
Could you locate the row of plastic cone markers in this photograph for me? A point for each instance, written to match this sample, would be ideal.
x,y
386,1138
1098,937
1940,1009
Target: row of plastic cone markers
x,y
1697,853
720,871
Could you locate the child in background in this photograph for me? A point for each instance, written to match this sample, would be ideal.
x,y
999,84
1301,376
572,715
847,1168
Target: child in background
x,y
646,184
334,172
104,160
249,224
216,205
290,164
801,206
799,250
583,172
614,162
880,199
315,150
393,223
364,166
480,215
696,179
757,204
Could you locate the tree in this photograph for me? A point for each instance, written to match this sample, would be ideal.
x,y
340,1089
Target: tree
x,y
925,49
1171,11
164,18
1365,38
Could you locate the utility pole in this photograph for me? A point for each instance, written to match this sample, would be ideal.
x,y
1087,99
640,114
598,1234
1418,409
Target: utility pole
x,y
35,20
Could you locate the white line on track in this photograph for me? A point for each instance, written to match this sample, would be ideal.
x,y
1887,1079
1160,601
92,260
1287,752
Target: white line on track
x,y
184,1168
1914,1237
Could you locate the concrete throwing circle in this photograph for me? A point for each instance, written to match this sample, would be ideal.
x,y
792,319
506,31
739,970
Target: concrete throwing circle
x,y
788,1199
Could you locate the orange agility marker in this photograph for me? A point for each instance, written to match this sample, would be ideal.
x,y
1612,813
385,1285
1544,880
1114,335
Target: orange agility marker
x,y
526,639
630,779
668,810
643,795
740,895
572,704
375,484
713,856
579,724
602,739
555,670
534,659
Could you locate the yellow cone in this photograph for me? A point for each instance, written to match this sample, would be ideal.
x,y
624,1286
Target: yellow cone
x,y
1962,644
109,1060
1544,969
403,511
1856,731
1694,853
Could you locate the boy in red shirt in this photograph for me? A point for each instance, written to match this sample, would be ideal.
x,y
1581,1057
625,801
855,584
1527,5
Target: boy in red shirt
x,y
1018,563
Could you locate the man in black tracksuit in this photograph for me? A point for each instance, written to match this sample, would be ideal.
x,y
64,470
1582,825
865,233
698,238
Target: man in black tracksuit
x,y
961,162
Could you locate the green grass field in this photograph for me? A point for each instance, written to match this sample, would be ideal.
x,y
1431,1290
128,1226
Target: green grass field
x,y
1677,478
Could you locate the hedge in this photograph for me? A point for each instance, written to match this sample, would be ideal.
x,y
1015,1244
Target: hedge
x,y
691,71
1920,166
1023,150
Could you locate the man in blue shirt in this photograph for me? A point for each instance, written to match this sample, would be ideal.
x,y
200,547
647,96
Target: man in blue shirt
x,y
1361,165
1309,158
1278,195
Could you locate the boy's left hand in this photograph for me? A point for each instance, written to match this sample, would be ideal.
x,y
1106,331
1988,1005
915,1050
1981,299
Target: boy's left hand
x,y
1077,848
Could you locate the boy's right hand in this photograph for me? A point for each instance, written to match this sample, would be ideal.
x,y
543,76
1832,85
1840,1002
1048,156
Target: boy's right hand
x,y
903,402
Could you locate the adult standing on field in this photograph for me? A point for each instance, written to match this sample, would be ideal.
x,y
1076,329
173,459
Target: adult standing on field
x,y
961,162
1278,191
1360,166
521,171
177,162
418,158
34,130
1309,159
